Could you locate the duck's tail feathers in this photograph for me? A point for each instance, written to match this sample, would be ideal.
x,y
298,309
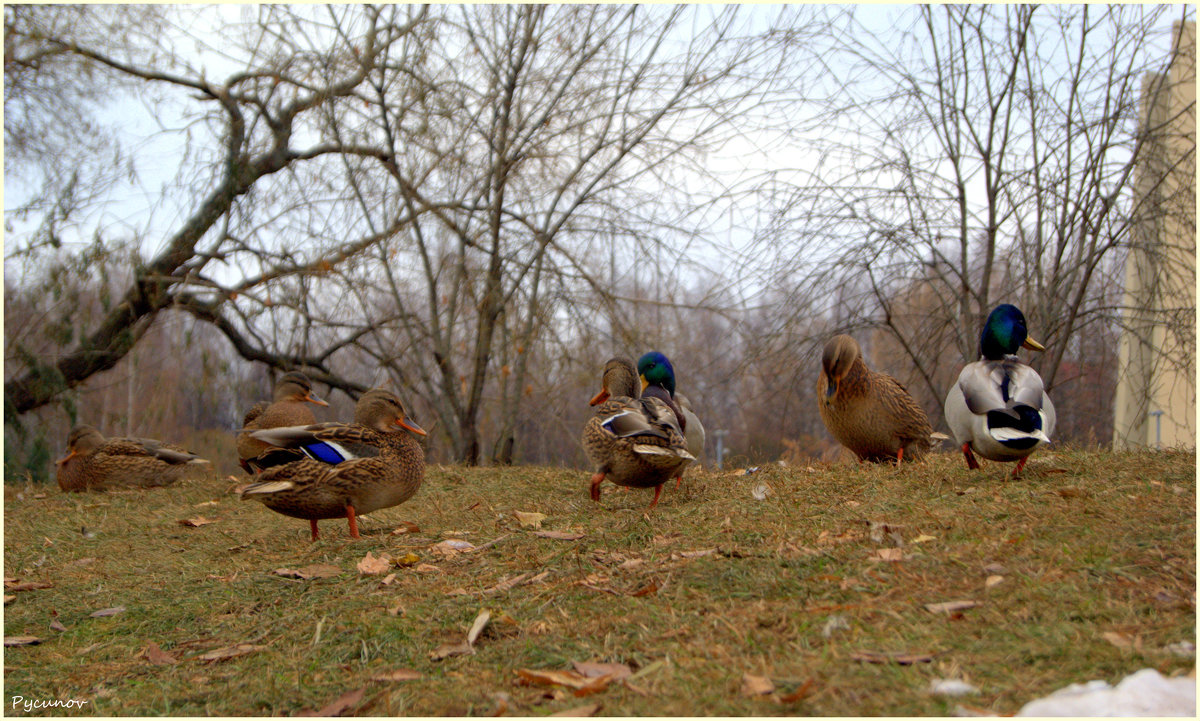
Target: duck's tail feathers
x,y
266,487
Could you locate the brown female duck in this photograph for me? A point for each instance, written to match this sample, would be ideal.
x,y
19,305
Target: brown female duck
x,y
870,413
96,463
348,469
632,441
292,392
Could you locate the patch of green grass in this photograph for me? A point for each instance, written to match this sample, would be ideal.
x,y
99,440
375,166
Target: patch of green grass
x,y
1087,544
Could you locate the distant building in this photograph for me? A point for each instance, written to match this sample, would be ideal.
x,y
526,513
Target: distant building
x,y
1155,402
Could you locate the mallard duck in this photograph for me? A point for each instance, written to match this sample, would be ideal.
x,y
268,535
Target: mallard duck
x,y
633,441
998,408
870,413
288,408
96,463
658,381
348,469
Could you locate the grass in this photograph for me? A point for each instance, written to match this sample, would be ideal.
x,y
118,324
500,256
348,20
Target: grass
x,y
1096,551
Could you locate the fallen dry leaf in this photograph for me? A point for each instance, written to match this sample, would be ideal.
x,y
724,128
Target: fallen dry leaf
x,y
56,626
408,559
923,538
529,519
560,535
697,554
196,522
879,531
427,568
647,590
446,650
401,674
581,684
373,566
481,621
588,709
892,555
406,527
340,705
157,656
9,599
900,657
1122,640
760,492
950,606
1070,492
319,570
804,690
13,584
208,503
592,669
21,640
825,538
452,546
388,579
107,612
992,581
228,652
756,685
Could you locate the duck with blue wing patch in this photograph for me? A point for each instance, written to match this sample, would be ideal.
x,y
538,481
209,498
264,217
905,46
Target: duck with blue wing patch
x,y
632,441
346,469
999,408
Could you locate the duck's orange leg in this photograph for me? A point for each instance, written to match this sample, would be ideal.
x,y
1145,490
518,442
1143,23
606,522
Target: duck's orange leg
x,y
594,490
1020,465
657,493
312,523
899,456
971,462
677,480
352,519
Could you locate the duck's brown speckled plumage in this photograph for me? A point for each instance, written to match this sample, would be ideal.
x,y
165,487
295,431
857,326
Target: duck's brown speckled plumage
x,y
870,413
387,469
632,441
289,407
96,463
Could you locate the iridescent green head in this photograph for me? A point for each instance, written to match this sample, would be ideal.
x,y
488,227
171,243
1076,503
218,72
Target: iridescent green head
x,y
656,370
1004,332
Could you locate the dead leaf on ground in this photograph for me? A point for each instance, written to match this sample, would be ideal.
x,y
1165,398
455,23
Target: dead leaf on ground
x,y
13,584
826,538
879,532
923,538
426,568
588,709
800,693
453,546
107,612
1123,640
56,626
530,519
196,522
155,655
892,555
950,606
697,554
208,503
340,705
582,685
9,599
560,535
371,565
901,657
401,674
992,581
319,570
406,527
467,646
388,579
592,669
408,560
228,652
1071,492
21,640
756,685
647,590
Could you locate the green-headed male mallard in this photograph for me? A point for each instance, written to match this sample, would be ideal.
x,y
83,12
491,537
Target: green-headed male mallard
x,y
998,408
870,413
349,469
96,463
293,391
632,441
658,381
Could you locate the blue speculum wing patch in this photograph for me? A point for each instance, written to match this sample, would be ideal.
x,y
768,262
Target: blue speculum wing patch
x,y
325,452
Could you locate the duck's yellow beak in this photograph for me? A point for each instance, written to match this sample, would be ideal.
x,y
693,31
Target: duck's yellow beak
x,y
313,399
67,457
599,397
644,382
1032,344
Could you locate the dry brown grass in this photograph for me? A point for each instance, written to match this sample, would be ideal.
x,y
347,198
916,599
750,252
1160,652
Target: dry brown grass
x,y
1096,552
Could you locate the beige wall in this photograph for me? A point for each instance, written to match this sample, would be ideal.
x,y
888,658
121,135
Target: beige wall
x,y
1157,371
